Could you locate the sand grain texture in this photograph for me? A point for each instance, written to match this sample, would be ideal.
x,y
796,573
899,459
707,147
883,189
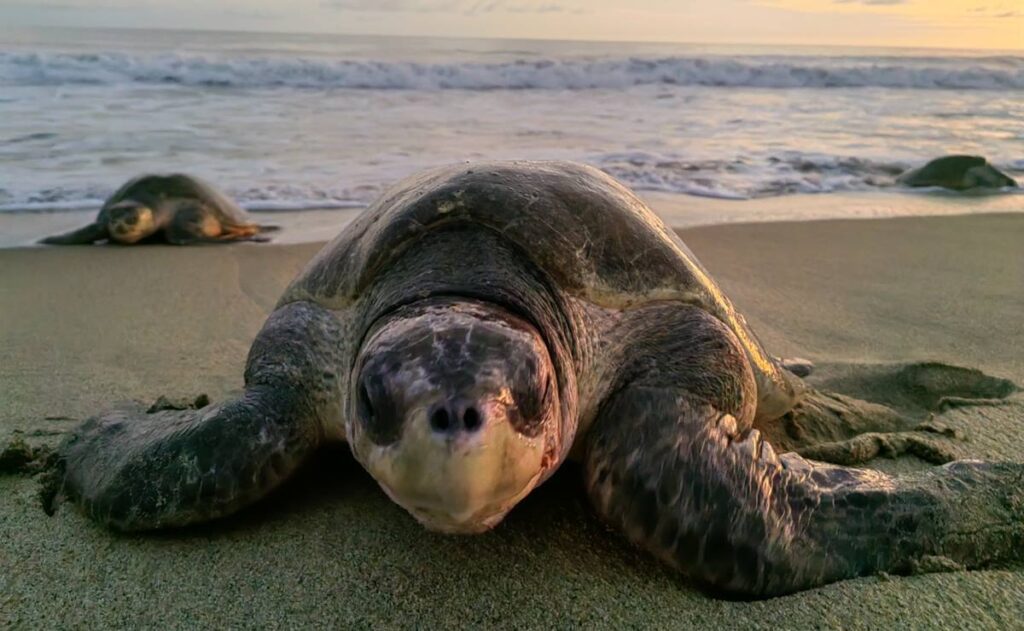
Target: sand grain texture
x,y
83,327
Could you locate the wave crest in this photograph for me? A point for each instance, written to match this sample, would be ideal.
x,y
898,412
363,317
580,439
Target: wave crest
x,y
742,177
785,173
991,73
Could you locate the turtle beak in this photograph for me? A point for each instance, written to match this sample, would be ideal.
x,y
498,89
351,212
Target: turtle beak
x,y
130,222
459,467
455,416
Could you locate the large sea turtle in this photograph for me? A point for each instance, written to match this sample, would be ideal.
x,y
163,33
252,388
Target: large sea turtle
x,y
477,326
176,208
959,173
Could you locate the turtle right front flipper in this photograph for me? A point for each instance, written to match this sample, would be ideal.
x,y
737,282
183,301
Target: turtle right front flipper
x,y
673,462
83,236
139,471
721,507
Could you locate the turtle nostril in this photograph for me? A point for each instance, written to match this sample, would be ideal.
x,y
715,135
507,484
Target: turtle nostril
x,y
471,419
453,419
439,420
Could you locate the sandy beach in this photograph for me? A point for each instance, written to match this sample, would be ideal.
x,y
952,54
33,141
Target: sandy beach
x,y
81,328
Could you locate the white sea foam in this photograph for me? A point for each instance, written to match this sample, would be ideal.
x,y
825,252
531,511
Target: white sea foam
x,y
269,199
740,178
53,68
748,177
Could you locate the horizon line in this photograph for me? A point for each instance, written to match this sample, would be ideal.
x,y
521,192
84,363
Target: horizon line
x,y
8,28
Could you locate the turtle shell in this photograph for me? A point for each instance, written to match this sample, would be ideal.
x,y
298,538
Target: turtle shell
x,y
592,237
957,173
156,191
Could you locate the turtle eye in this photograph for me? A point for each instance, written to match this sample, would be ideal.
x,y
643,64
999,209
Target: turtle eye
x,y
377,412
365,406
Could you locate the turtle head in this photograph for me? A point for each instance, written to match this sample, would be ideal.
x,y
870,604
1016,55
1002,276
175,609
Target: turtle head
x,y
456,412
130,221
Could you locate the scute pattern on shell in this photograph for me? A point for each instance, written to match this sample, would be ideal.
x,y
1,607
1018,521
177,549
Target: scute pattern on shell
x,y
592,237
157,191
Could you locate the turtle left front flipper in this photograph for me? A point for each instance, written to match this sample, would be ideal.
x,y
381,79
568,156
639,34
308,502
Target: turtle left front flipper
x,y
87,235
673,462
132,470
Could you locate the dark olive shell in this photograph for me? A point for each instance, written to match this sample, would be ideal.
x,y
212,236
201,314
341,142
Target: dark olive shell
x,y
160,191
591,236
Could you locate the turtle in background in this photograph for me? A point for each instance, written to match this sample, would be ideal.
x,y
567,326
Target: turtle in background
x,y
958,173
177,208
478,326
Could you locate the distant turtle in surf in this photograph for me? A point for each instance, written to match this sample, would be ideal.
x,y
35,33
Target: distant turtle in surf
x,y
475,327
959,173
177,208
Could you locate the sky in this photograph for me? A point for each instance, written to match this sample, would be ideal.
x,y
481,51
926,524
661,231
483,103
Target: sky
x,y
974,24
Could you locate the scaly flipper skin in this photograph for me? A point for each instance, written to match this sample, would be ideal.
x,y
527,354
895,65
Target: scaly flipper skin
x,y
138,471
680,471
83,236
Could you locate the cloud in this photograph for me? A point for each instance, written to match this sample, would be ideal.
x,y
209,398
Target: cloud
x,y
873,2
995,12
411,6
468,7
62,6
497,6
818,6
253,14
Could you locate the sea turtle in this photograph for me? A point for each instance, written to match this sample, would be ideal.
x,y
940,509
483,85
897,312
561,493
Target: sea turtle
x,y
959,173
178,208
477,326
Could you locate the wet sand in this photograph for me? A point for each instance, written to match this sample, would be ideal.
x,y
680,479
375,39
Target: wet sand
x,y
83,327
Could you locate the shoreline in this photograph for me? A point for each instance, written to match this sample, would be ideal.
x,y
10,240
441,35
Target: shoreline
x,y
679,211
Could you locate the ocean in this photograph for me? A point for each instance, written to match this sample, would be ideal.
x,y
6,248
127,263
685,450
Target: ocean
x,y
286,122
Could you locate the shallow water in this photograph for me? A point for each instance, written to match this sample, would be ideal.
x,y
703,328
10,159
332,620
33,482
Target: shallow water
x,y
314,121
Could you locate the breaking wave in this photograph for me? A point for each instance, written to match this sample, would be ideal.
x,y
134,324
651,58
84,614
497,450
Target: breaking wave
x,y
256,199
961,73
784,173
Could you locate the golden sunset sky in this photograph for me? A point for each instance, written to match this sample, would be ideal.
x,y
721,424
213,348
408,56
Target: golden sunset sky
x,y
973,24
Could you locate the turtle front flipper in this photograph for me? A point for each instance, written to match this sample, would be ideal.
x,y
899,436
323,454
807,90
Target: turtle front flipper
x,y
134,471
672,461
83,236
139,471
